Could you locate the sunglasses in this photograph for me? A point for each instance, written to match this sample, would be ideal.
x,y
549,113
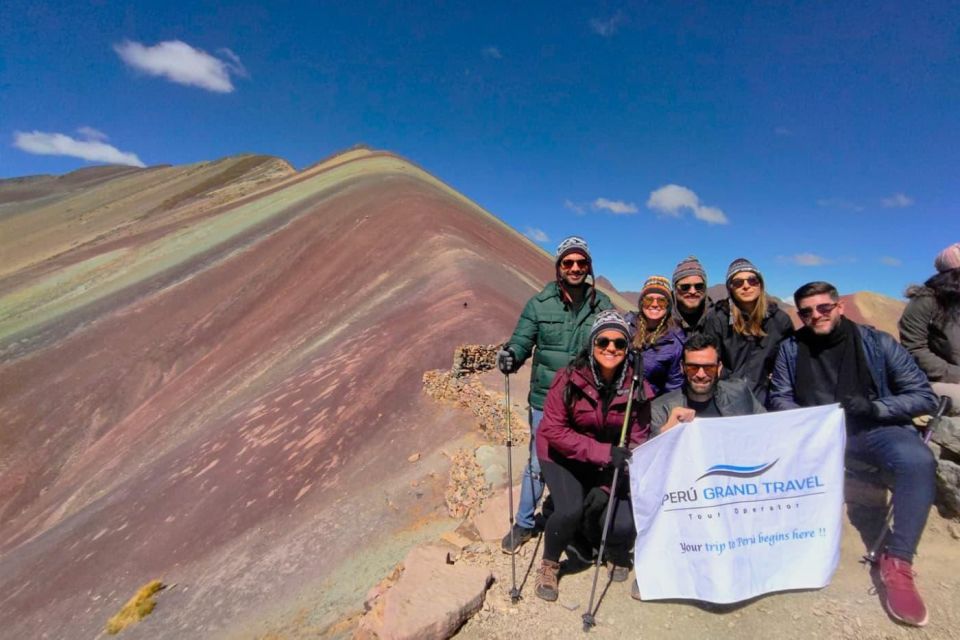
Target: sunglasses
x,y
651,301
824,309
696,286
736,283
693,369
568,263
618,343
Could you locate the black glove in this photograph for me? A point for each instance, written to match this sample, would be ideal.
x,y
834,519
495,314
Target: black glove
x,y
858,407
506,361
619,457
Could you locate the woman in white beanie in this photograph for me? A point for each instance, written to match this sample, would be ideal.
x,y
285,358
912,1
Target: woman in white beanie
x,y
930,325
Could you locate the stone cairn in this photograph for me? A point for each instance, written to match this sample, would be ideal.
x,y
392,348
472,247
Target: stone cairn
x,y
460,386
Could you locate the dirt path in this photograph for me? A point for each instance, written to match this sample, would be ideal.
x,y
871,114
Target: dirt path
x,y
847,608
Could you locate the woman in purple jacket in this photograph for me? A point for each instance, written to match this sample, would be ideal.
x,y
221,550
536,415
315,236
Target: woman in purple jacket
x,y
577,444
655,334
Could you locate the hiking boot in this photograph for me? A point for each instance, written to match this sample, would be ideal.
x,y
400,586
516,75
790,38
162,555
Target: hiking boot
x,y
548,580
903,600
619,573
635,591
520,535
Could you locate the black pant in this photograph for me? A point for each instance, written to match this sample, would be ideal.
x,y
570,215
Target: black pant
x,y
570,482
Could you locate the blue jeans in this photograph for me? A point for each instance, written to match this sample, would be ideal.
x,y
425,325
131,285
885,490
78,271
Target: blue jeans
x,y
531,488
901,451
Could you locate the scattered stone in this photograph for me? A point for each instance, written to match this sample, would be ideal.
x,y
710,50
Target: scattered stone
x,y
493,521
466,487
431,599
414,457
948,488
493,461
954,529
487,407
456,539
474,358
947,434
570,606
495,475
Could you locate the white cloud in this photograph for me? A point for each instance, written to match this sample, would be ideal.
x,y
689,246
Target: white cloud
x,y
805,260
614,206
578,209
179,62
537,235
783,131
606,27
672,200
89,133
58,144
492,53
890,261
897,201
839,203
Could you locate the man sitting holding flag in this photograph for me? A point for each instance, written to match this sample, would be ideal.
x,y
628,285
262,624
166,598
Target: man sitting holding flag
x,y
703,394
878,384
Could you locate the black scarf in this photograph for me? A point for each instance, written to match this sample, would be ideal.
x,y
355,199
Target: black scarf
x,y
853,373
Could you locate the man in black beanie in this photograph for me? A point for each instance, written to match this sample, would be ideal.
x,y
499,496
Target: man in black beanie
x,y
878,384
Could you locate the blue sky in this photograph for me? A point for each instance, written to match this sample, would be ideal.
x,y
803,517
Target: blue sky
x,y
820,140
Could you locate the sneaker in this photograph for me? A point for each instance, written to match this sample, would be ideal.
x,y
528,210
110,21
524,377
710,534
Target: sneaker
x,y
903,600
548,580
520,535
620,573
635,591
580,551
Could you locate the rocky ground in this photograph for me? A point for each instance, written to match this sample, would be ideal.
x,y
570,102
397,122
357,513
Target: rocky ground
x,y
848,608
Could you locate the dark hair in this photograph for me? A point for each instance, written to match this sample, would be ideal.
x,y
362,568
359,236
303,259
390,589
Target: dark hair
x,y
815,289
946,291
701,341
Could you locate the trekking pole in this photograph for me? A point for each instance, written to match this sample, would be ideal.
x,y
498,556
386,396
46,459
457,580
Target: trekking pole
x,y
871,556
514,592
588,618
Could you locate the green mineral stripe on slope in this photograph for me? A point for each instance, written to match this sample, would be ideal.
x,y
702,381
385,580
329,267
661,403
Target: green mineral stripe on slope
x,y
67,284
50,297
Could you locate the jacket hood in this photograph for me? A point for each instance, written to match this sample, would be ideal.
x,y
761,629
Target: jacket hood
x,y
918,290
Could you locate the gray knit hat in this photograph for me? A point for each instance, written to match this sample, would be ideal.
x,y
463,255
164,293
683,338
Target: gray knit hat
x,y
573,244
689,266
609,319
740,265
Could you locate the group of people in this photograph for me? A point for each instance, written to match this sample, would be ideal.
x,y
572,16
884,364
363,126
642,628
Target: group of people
x,y
700,358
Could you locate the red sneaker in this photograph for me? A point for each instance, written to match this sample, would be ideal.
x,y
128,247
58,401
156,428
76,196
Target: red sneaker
x,y
903,600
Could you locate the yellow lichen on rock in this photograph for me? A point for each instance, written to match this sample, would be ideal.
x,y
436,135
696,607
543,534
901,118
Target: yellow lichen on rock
x,y
137,608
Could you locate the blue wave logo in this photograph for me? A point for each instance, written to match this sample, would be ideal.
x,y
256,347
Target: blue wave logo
x,y
738,472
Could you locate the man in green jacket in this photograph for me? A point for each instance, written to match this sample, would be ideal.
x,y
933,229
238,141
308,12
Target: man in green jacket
x,y
554,326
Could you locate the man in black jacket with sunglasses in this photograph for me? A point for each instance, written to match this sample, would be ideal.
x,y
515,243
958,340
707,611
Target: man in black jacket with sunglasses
x,y
690,291
881,388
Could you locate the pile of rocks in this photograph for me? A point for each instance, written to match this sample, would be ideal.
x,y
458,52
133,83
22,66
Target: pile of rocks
x,y
461,386
946,448
474,358
467,487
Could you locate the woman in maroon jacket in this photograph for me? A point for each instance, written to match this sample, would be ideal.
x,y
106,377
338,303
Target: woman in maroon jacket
x,y
577,447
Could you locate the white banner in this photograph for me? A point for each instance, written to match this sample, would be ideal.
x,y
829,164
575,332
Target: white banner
x,y
730,508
